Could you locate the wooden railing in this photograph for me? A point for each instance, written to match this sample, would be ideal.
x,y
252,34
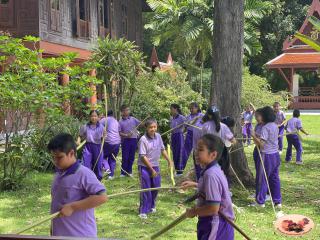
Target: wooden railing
x,y
306,102
309,91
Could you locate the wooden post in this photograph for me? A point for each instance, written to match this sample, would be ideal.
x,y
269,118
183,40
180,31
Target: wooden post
x,y
65,79
93,98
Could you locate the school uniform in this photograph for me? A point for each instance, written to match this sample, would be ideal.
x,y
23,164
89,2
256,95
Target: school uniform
x,y
280,117
196,135
271,159
74,184
188,142
112,144
150,148
129,144
294,125
177,143
247,117
213,189
91,152
256,158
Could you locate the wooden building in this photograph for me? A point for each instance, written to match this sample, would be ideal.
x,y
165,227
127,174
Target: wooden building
x,y
297,56
72,25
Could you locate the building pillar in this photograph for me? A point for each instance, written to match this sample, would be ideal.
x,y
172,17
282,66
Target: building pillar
x,y
295,85
93,98
65,79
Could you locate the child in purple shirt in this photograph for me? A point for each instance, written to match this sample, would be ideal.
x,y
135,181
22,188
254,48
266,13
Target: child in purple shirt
x,y
267,142
280,120
293,126
93,132
75,191
213,193
247,116
177,139
129,135
112,144
191,119
150,149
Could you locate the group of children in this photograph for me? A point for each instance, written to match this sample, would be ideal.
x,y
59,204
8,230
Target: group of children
x,y
76,190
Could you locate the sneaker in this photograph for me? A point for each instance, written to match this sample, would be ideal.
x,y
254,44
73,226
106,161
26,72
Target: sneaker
x,y
278,206
111,177
130,175
255,204
299,163
179,174
268,198
153,210
122,175
143,216
230,194
280,152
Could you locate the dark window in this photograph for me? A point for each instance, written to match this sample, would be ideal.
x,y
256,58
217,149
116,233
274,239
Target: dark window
x,y
82,17
106,14
82,9
112,13
4,1
124,11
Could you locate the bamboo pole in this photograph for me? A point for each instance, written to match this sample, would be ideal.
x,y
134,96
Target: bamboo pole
x,y
240,182
141,191
121,166
81,145
140,123
180,125
194,126
48,218
171,168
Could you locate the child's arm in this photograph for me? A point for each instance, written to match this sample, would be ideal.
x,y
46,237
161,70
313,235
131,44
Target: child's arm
x,y
165,155
302,130
189,184
258,142
203,211
253,108
87,203
146,161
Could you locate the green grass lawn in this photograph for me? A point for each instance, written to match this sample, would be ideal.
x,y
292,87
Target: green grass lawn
x,y
118,218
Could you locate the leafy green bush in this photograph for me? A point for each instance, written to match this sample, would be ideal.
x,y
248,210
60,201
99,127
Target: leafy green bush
x,y
156,91
257,90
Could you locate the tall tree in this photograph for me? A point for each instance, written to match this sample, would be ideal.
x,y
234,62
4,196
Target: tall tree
x,y
228,40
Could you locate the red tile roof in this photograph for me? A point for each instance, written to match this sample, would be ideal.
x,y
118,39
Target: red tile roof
x,y
295,60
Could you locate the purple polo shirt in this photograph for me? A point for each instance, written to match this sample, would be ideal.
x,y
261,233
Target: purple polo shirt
x,y
210,128
294,125
213,189
74,184
151,148
176,121
247,117
258,129
280,117
113,129
270,134
189,119
197,133
129,124
92,133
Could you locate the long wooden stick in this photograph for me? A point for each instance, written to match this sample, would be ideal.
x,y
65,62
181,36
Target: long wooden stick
x,y
141,191
194,126
105,125
121,166
169,226
240,182
234,226
52,216
140,123
171,168
180,125
81,145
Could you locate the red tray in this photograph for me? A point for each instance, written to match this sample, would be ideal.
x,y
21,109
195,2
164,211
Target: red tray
x,y
295,218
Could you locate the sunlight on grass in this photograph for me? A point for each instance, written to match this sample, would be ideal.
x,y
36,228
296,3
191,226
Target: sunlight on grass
x,y
119,217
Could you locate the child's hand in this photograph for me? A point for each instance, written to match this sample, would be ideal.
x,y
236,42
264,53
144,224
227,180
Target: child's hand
x,y
191,212
188,184
170,163
129,134
66,210
154,173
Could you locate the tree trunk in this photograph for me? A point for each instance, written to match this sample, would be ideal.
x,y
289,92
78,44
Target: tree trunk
x,y
227,72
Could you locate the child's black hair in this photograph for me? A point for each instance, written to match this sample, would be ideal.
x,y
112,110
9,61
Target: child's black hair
x,y
268,115
123,107
229,121
110,113
62,142
276,103
214,143
94,111
150,121
177,107
212,115
296,113
195,105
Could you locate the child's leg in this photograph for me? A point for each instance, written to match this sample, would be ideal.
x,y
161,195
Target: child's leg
x,y
280,139
97,159
298,146
176,145
155,183
114,150
87,156
257,165
132,153
106,152
188,144
249,132
274,179
225,231
146,197
125,155
262,188
289,149
207,227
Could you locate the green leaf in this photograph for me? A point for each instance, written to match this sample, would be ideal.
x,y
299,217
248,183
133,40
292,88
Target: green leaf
x,y
309,41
